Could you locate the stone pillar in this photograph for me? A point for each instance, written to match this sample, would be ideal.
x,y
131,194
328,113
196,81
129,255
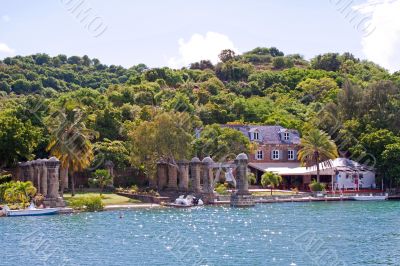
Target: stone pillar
x,y
183,167
162,175
172,177
242,197
29,172
207,172
110,168
21,171
37,164
44,178
242,184
53,198
195,173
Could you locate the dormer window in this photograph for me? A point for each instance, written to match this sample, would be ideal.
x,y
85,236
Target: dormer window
x,y
255,135
286,136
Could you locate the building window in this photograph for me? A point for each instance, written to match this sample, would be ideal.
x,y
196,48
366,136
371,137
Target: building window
x,y
286,136
275,155
255,136
290,155
260,155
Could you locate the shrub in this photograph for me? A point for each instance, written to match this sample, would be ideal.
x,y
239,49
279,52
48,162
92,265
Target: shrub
x,y
3,188
221,189
315,186
19,192
134,189
251,177
87,203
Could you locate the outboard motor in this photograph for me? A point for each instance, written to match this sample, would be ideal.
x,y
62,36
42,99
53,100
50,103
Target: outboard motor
x,y
195,201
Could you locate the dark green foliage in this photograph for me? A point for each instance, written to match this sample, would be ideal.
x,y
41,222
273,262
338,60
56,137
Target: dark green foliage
x,y
357,102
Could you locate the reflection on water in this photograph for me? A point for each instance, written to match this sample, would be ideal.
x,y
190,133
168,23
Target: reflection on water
x,y
337,233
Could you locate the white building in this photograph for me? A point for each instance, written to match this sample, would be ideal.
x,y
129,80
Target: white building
x,y
340,173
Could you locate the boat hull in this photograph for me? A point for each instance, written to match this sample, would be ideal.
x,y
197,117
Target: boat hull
x,y
369,198
36,212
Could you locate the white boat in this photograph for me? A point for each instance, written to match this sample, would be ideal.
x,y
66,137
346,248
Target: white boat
x,y
189,201
369,198
30,211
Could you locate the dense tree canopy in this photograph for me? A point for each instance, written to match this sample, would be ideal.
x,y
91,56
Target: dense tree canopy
x,y
356,101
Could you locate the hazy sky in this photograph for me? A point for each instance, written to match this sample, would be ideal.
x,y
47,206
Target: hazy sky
x,y
177,32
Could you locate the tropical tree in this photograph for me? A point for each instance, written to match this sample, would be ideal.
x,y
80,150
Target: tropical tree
x,y
70,143
18,139
101,178
221,143
20,192
168,138
271,180
317,147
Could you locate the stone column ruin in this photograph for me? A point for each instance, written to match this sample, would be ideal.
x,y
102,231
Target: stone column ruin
x,y
162,175
195,173
242,197
172,177
45,176
183,168
207,172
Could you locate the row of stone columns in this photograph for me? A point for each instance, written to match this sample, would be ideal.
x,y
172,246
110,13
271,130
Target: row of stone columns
x,y
172,176
44,174
175,177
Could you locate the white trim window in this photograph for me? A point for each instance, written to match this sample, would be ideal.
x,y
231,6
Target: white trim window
x,y
275,155
286,136
256,135
260,155
290,155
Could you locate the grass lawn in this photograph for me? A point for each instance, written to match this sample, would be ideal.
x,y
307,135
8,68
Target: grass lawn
x,y
107,198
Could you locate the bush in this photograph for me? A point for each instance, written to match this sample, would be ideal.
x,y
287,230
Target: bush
x,y
221,189
87,203
134,189
3,188
315,186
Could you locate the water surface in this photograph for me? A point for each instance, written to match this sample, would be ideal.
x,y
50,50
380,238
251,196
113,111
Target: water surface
x,y
336,233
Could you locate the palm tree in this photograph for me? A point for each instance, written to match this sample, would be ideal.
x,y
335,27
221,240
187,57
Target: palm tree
x,y
270,179
317,146
70,143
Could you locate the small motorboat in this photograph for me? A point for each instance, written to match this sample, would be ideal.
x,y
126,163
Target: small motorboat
x,y
30,211
185,202
369,197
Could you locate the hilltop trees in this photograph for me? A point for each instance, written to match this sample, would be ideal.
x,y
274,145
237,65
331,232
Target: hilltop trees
x,y
351,98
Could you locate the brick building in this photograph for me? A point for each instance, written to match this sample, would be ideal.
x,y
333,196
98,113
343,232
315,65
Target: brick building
x,y
275,144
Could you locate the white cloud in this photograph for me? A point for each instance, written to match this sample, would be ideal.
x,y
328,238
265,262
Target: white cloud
x,y
381,43
4,48
200,47
5,18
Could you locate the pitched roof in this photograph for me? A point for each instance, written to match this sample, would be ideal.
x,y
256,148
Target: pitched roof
x,y
268,134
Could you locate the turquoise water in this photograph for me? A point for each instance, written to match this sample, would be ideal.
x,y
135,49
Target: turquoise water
x,y
337,233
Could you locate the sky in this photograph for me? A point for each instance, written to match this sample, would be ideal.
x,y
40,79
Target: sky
x,y
176,33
